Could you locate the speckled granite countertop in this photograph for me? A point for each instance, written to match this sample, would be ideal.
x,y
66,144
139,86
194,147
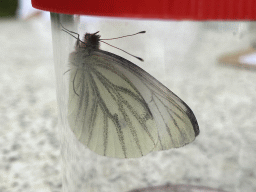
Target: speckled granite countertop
x,y
223,99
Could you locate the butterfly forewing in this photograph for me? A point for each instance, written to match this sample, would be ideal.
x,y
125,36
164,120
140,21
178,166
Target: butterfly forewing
x,y
176,123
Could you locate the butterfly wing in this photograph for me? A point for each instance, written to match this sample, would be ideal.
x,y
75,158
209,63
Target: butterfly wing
x,y
118,110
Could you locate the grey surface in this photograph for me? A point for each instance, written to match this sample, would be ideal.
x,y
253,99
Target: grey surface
x,y
222,98
29,147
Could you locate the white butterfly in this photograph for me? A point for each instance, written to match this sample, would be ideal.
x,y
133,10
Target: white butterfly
x,y
119,110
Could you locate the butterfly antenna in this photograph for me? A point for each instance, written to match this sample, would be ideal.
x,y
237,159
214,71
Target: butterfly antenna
x,y
122,49
124,36
71,33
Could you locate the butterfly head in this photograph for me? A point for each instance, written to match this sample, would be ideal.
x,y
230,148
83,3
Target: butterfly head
x,y
91,41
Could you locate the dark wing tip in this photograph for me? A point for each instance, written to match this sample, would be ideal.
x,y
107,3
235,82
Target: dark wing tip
x,y
196,127
193,121
140,58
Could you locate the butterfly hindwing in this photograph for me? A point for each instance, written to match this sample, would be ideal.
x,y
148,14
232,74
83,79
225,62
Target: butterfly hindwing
x,y
107,112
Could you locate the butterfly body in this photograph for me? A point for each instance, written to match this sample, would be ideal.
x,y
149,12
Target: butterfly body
x,y
119,110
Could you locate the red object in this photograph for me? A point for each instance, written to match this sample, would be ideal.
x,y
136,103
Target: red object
x,y
155,9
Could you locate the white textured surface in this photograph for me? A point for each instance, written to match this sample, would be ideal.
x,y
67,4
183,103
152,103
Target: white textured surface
x,y
222,98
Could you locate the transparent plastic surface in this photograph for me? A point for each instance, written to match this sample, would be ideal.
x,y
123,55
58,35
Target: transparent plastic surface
x,y
184,56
